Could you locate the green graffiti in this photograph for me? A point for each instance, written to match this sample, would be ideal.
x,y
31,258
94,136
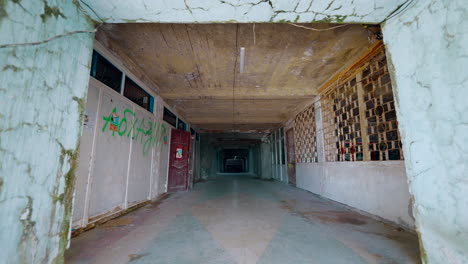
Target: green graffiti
x,y
112,120
144,132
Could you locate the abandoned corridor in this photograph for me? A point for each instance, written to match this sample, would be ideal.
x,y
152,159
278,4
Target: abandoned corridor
x,y
239,218
110,105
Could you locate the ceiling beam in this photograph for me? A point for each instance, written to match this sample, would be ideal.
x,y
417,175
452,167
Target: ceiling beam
x,y
285,96
190,11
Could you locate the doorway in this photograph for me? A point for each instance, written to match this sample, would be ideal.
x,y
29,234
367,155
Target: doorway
x,y
179,161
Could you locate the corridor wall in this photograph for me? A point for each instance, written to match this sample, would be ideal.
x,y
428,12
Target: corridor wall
x,y
124,151
347,143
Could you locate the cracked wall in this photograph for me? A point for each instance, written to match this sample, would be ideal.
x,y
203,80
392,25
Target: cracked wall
x,y
427,47
196,11
42,89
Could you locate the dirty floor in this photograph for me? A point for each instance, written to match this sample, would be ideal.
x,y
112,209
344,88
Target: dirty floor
x,y
240,219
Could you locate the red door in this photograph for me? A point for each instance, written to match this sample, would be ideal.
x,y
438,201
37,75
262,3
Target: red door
x,y
291,156
179,161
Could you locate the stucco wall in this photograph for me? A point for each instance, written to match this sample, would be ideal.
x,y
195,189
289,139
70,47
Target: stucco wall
x,y
42,92
376,187
427,45
182,11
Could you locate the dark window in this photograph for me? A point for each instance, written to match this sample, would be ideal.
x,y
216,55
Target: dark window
x,y
181,125
169,117
394,154
105,72
137,95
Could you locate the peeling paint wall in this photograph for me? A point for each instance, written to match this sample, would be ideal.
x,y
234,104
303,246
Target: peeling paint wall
x,y
427,45
182,11
42,92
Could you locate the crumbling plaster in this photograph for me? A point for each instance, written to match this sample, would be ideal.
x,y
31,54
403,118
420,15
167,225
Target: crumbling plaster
x,y
426,46
42,92
205,11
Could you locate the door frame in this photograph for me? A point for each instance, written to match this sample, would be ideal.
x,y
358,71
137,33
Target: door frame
x,y
172,159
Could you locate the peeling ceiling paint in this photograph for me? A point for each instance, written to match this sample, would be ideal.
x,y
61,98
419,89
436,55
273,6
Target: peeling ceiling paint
x,y
242,11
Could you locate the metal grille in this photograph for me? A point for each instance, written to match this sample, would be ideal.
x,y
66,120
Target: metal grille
x,y
305,136
382,125
342,129
342,110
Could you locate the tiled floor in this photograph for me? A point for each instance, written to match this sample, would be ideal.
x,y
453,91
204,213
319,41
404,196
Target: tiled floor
x,y
239,219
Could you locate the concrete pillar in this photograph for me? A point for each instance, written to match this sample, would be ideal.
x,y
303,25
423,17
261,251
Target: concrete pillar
x,y
220,160
251,168
266,157
45,52
428,56
319,131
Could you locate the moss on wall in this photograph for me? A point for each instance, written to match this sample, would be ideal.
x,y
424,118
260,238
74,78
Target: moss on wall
x,y
41,124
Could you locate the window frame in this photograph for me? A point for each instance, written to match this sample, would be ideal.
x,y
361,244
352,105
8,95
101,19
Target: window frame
x,y
167,110
151,98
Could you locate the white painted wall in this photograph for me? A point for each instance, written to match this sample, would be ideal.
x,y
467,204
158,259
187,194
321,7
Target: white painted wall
x,y
164,164
85,155
428,49
117,170
111,160
376,187
213,11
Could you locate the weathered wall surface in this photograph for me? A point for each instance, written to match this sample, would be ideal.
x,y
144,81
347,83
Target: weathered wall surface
x,y
265,156
344,143
42,92
196,172
427,47
164,165
163,152
208,159
118,169
115,168
376,187
182,11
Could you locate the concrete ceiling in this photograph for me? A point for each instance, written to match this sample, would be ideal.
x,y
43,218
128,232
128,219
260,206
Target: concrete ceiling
x,y
196,67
